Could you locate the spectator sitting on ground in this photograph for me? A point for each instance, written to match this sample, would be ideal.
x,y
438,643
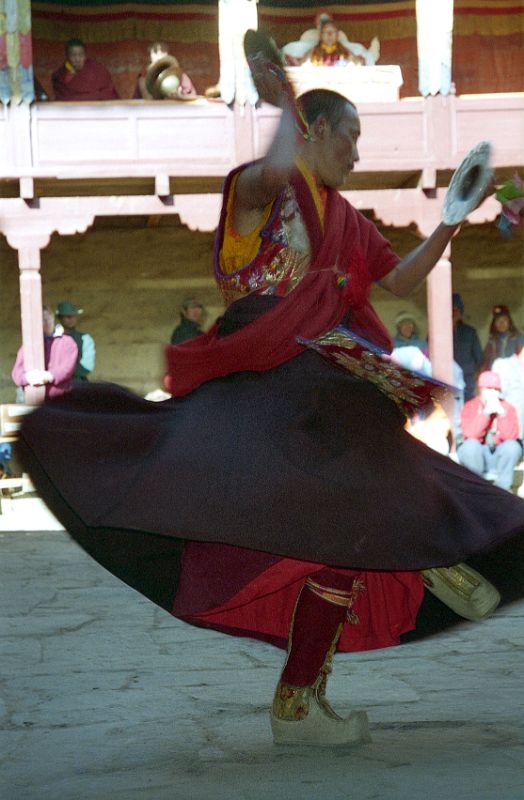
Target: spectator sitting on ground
x,y
504,338
191,313
82,78
185,91
68,315
60,355
407,333
467,351
491,433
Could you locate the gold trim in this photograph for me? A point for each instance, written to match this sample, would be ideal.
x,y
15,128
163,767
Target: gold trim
x,y
455,578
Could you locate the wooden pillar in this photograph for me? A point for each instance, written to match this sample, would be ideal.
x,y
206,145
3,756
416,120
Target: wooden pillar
x,y
244,133
31,313
439,290
440,325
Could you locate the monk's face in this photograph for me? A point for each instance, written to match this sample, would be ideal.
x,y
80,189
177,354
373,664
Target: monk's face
x,y
329,34
76,57
335,151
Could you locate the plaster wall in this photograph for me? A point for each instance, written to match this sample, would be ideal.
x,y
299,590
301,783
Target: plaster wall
x,y
131,281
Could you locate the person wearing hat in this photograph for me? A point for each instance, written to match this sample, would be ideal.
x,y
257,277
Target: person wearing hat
x,y
505,340
407,334
191,313
467,350
156,51
68,315
491,432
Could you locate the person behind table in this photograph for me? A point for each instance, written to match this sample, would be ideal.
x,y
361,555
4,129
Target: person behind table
x,y
60,355
185,91
80,78
68,315
329,51
491,430
467,350
191,313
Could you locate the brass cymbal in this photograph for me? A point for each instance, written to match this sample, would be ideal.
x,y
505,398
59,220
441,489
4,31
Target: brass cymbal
x,y
163,77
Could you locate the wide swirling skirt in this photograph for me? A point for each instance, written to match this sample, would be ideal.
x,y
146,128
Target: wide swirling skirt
x,y
218,504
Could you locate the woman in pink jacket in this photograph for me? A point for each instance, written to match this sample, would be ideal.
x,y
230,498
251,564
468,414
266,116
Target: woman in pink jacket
x,y
60,356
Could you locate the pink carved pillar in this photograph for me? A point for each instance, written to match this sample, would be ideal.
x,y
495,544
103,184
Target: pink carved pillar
x,y
31,313
244,133
440,326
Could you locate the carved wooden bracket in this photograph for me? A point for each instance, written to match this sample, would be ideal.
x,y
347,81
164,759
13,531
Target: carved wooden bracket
x,y
403,207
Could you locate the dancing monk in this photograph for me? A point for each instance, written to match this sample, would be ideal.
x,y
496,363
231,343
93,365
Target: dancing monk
x,y
286,501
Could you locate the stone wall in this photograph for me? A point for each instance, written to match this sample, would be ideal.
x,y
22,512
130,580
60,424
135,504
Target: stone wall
x,y
131,276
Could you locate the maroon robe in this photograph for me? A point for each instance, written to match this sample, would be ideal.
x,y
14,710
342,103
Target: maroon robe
x,y
93,82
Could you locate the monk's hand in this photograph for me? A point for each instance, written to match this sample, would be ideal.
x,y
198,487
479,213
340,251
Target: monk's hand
x,y
490,190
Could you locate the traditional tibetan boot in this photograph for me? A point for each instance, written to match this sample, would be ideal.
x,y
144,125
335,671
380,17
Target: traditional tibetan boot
x,y
300,713
463,589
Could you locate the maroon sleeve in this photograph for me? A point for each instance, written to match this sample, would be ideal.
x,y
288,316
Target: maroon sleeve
x,y
137,94
105,88
59,87
380,256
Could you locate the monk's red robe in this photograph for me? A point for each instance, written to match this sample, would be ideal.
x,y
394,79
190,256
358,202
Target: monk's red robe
x,y
93,82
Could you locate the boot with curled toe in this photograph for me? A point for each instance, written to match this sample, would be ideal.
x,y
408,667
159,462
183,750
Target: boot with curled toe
x,y
462,589
300,713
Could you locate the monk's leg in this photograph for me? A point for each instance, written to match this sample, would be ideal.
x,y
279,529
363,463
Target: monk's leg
x,y
300,713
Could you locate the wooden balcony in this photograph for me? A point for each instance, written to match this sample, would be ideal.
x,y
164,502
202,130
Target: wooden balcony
x,y
412,140
63,164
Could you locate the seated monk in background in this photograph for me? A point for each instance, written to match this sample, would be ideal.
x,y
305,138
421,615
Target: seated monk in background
x,y
185,91
326,45
82,78
329,51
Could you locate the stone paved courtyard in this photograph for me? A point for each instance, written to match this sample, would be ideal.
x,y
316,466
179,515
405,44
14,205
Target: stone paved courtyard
x,y
105,696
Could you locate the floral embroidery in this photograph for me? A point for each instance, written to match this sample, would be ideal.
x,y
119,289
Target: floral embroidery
x,y
409,390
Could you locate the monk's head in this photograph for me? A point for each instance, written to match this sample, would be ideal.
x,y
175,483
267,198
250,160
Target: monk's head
x,y
334,128
76,53
328,33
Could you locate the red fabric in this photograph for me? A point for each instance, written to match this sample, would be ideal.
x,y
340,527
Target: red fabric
x,y
3,51
315,625
350,248
93,82
217,591
475,424
26,50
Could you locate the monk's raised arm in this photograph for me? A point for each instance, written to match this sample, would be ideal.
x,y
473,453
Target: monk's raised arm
x,y
260,183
